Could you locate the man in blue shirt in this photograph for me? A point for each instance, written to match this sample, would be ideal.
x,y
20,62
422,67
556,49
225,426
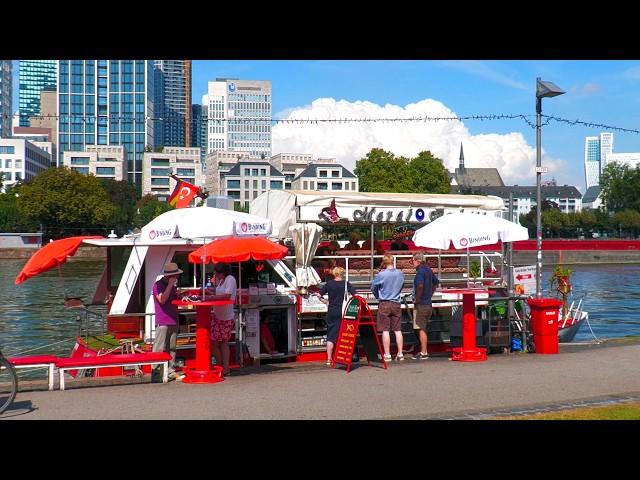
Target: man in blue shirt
x,y
424,284
386,287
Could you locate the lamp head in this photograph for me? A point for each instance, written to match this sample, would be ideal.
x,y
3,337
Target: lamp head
x,y
547,89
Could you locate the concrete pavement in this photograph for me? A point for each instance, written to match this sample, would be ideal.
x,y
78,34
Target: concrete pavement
x,y
435,388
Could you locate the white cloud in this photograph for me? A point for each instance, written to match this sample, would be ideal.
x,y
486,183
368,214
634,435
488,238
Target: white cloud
x,y
350,141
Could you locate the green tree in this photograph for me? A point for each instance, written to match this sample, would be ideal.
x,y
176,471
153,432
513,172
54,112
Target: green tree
x,y
124,196
67,203
627,221
428,174
148,208
382,171
10,218
620,186
553,221
239,207
587,221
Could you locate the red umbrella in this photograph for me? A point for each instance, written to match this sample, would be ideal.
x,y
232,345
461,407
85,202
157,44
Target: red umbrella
x,y
234,249
51,255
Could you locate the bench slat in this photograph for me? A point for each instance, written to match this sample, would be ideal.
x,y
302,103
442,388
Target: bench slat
x,y
113,359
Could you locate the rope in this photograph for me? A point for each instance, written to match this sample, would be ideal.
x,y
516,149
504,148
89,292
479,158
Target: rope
x,y
43,346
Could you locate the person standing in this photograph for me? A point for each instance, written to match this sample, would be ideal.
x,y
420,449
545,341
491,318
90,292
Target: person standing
x,y
386,287
334,289
224,319
166,313
424,284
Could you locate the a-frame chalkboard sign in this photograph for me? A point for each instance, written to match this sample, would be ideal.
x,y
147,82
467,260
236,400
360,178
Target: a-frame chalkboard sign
x,y
357,318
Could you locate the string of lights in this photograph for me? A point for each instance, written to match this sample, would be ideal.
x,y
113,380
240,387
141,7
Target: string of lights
x,y
73,118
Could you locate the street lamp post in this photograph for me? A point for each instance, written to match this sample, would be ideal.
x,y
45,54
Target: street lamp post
x,y
543,89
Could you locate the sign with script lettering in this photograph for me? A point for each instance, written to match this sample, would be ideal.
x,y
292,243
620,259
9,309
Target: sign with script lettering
x,y
357,319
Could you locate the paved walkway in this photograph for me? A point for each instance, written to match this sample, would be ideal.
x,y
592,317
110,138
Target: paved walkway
x,y
433,389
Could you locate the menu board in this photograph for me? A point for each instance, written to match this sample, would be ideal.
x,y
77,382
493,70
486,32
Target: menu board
x,y
357,319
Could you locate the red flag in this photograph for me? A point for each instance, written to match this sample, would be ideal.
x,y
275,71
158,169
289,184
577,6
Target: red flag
x,y
183,194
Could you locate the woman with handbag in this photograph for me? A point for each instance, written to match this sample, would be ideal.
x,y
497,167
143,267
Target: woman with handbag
x,y
337,290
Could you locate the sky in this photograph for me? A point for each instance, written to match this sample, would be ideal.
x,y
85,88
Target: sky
x,y
600,92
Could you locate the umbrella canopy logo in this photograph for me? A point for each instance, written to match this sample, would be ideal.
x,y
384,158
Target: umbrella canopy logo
x,y
464,242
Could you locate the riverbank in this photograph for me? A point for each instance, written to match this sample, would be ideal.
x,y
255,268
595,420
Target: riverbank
x,y
433,389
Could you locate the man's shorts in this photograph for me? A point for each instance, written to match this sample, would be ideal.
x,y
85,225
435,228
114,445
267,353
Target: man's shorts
x,y
421,316
389,316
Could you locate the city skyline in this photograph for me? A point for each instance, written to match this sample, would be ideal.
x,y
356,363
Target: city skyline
x,y
599,92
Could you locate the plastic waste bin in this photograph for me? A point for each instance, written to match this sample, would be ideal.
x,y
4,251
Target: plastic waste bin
x,y
544,324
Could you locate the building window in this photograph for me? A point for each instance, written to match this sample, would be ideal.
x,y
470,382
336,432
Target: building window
x,y
159,181
255,184
305,186
246,184
276,185
233,183
263,172
9,149
322,185
346,185
79,160
254,172
186,172
247,172
322,173
159,162
264,185
353,186
106,171
335,173
82,170
336,186
7,163
160,172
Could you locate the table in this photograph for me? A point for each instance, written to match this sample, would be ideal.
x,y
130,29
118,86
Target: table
x,y
469,352
203,373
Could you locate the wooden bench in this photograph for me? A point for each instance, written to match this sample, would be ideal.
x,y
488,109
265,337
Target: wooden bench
x,y
37,361
153,358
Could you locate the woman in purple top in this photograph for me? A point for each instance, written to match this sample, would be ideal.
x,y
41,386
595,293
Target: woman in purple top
x,y
164,293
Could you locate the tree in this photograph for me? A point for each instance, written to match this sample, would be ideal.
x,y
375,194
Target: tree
x,y
240,207
553,220
10,218
528,220
148,208
620,186
428,174
628,220
382,171
124,196
66,202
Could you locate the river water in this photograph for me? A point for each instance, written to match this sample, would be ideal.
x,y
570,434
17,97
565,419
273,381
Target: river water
x,y
32,314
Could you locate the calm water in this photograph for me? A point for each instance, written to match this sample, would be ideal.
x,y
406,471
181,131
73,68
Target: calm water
x,y
32,314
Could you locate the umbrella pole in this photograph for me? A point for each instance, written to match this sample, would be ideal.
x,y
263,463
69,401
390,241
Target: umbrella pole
x,y
468,267
239,328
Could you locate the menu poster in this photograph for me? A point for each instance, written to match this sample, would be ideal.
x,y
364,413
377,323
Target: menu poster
x,y
357,319
252,331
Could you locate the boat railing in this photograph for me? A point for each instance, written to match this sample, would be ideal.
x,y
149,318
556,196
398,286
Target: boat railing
x,y
451,268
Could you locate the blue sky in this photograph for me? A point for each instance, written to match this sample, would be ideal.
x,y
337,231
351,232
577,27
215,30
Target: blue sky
x,y
603,92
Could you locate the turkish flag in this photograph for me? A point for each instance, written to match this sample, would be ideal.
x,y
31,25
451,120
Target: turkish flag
x,y
183,194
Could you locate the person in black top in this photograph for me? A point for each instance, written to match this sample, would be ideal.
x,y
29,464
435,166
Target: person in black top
x,y
335,291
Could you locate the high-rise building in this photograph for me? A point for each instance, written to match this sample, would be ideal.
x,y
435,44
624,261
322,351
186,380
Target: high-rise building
x,y
33,77
239,116
176,102
596,150
107,102
6,95
47,117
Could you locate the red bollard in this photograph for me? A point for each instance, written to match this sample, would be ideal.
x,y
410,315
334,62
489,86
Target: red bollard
x,y
469,351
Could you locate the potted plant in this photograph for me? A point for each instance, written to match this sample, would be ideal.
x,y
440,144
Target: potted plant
x,y
561,279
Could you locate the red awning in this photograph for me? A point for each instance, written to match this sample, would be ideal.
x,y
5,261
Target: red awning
x,y
238,250
50,256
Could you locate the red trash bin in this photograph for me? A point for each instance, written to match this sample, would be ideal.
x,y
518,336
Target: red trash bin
x,y
544,324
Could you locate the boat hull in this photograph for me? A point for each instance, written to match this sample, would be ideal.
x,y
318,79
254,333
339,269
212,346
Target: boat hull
x,y
568,333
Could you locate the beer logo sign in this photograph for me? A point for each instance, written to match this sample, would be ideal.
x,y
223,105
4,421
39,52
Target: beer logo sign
x,y
464,242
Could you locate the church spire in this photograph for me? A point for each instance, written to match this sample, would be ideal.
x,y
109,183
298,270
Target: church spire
x,y
461,166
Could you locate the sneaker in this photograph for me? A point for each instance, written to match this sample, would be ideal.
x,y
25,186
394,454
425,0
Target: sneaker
x,y
400,357
387,358
421,356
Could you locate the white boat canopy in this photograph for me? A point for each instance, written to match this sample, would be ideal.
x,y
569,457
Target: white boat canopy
x,y
286,208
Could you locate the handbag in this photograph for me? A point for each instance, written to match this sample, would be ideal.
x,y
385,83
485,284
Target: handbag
x,y
345,298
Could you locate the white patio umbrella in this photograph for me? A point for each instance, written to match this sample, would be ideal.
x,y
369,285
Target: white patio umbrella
x,y
306,237
466,230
